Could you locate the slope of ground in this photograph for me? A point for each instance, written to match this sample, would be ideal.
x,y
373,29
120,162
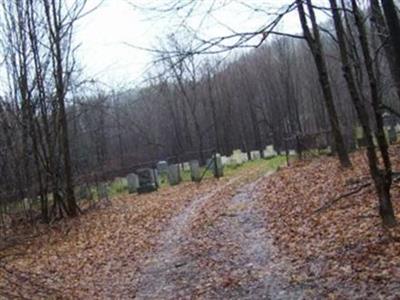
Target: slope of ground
x,y
101,253
337,248
246,236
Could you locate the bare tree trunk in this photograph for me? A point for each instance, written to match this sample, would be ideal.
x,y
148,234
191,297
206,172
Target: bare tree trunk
x,y
213,111
382,180
393,24
378,21
57,38
316,48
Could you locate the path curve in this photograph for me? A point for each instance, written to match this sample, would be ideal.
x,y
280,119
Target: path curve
x,y
239,258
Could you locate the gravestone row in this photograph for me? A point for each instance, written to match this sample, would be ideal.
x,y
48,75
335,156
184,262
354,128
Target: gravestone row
x,y
148,179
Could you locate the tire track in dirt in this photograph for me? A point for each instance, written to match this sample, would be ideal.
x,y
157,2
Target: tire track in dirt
x,y
155,283
236,266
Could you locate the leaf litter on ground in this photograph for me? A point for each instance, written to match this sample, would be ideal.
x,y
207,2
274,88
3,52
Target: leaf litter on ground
x,y
341,251
313,243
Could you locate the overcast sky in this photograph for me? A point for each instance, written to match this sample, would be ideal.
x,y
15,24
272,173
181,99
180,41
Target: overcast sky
x,y
104,35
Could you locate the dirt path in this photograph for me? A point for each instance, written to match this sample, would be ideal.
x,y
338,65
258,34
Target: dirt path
x,y
229,259
155,282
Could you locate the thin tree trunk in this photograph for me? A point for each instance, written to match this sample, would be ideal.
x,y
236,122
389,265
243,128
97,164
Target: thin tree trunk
x,y
393,25
316,48
383,181
378,21
380,180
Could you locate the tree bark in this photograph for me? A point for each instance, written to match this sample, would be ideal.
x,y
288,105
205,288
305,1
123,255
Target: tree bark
x,y
393,25
378,21
382,180
315,45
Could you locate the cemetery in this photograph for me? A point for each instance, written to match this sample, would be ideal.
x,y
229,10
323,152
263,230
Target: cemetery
x,y
165,174
183,149
147,180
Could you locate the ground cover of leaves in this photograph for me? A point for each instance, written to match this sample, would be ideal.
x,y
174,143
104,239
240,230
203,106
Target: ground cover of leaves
x,y
339,251
247,236
97,254
100,253
221,252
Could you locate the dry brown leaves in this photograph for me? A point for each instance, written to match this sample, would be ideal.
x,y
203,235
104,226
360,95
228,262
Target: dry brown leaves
x,y
338,252
341,251
96,255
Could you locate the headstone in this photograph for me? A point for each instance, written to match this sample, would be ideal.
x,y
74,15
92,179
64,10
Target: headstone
x,y
237,156
174,176
225,160
147,180
359,134
162,167
27,203
328,149
245,157
232,161
133,183
102,191
292,152
186,166
195,171
269,151
255,155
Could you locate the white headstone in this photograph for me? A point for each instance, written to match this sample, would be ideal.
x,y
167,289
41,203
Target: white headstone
x,y
360,137
237,156
133,183
195,171
269,151
26,203
232,161
224,160
255,155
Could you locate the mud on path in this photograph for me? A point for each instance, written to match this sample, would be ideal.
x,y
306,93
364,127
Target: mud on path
x,y
216,248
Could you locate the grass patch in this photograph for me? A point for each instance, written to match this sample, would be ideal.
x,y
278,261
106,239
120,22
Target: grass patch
x,y
118,186
263,165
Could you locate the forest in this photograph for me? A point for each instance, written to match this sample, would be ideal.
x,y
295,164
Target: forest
x,y
331,87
